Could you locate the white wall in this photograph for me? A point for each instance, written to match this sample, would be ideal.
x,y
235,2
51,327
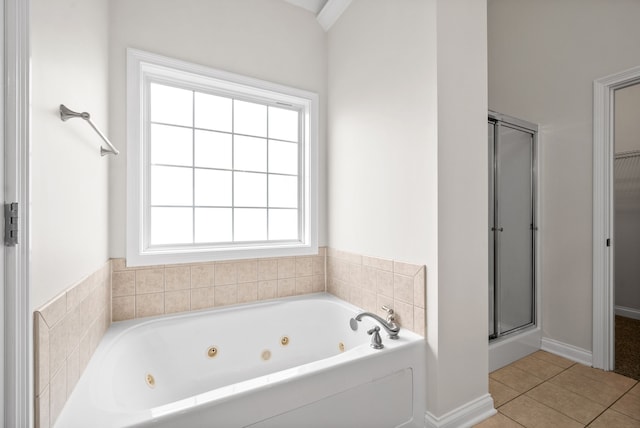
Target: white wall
x,y
270,40
462,308
408,166
543,58
69,178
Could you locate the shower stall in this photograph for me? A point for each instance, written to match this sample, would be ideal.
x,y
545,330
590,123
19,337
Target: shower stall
x,y
512,228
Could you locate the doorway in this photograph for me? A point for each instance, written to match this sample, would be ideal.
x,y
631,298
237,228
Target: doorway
x,y
603,356
626,242
512,225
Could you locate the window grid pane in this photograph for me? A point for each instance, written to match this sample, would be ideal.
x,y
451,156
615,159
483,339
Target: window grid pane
x,y
226,203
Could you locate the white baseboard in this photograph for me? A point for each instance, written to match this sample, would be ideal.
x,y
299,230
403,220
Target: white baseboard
x,y
464,416
628,312
565,350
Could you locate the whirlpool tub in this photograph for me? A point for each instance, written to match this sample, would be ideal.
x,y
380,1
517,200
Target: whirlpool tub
x,y
293,362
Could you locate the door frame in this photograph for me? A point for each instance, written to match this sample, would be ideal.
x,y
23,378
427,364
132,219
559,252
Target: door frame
x,y
603,353
18,358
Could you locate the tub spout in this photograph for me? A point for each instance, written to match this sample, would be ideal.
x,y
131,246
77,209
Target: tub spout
x,y
389,324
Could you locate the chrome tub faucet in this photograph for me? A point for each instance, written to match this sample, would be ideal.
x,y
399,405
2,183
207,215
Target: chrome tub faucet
x,y
389,324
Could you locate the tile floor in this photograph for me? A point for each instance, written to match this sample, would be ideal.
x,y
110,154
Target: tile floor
x,y
545,390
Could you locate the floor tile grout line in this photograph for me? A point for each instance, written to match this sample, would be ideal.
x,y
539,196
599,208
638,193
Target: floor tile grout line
x,y
618,399
511,419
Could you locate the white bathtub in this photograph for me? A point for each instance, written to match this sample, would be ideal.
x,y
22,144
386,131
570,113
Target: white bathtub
x,y
293,362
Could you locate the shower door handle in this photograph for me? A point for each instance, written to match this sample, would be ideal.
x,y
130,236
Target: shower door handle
x,y
499,229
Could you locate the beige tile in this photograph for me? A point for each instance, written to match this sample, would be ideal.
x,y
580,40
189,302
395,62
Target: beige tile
x,y
304,285
177,278
317,265
635,390
381,264
267,269
124,283
344,255
202,275
42,409
628,405
177,301
404,314
80,291
406,269
613,419
58,339
369,301
247,271
304,266
149,281
355,296
403,288
587,387
41,353
318,284
354,277
501,393
84,350
225,295
369,278
533,414
614,380
322,251
537,367
267,289
286,287
226,274
118,265
58,393
73,370
553,359
148,305
498,421
339,269
420,288
75,328
566,402
515,378
247,292
202,298
419,325
286,268
342,290
384,281
54,310
123,308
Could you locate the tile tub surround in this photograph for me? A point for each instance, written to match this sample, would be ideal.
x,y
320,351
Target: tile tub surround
x,y
67,331
370,282
156,290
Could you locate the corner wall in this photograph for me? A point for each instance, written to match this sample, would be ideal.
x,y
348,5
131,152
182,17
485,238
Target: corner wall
x,y
408,173
543,59
69,178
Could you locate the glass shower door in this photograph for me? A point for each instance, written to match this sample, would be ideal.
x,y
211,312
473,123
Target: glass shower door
x,y
512,232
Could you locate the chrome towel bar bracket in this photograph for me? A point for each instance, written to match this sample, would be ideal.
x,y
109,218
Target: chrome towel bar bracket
x,y
66,114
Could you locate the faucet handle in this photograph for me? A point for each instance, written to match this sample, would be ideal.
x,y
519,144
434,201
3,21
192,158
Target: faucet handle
x,y
376,341
390,313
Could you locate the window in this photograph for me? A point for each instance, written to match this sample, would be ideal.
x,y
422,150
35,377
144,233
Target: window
x,y
219,166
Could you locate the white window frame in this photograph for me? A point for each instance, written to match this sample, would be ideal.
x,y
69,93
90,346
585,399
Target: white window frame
x,y
144,67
